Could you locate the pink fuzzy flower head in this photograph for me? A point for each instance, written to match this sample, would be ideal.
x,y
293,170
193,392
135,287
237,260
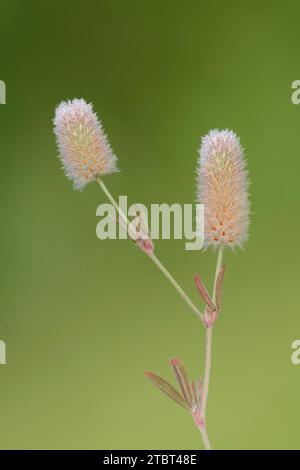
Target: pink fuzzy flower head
x,y
222,184
83,147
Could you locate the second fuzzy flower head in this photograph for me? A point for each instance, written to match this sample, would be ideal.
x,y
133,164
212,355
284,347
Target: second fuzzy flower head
x,y
222,186
83,146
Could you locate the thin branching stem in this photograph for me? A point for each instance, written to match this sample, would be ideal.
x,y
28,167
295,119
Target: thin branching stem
x,y
209,331
205,438
152,256
175,284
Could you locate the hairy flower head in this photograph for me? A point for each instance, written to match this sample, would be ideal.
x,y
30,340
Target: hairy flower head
x,y
83,146
222,186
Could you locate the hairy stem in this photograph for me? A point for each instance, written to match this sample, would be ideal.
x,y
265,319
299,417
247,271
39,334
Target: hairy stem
x,y
200,423
208,349
152,256
209,331
205,438
175,284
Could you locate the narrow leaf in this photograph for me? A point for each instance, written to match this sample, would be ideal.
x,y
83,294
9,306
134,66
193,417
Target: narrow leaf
x,y
203,292
165,387
194,392
199,387
182,379
219,285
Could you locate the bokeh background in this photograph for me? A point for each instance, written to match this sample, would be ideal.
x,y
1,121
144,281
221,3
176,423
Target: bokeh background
x,y
81,317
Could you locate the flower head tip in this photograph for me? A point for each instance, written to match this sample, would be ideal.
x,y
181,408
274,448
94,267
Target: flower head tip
x,y
83,146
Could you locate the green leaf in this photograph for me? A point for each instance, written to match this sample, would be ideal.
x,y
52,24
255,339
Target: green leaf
x,y
203,292
165,387
219,285
182,379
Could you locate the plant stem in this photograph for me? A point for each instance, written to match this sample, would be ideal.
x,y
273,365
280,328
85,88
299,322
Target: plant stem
x,y
175,284
209,331
205,438
152,256
112,200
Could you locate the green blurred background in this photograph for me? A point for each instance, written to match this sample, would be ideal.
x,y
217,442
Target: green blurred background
x,y
81,317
